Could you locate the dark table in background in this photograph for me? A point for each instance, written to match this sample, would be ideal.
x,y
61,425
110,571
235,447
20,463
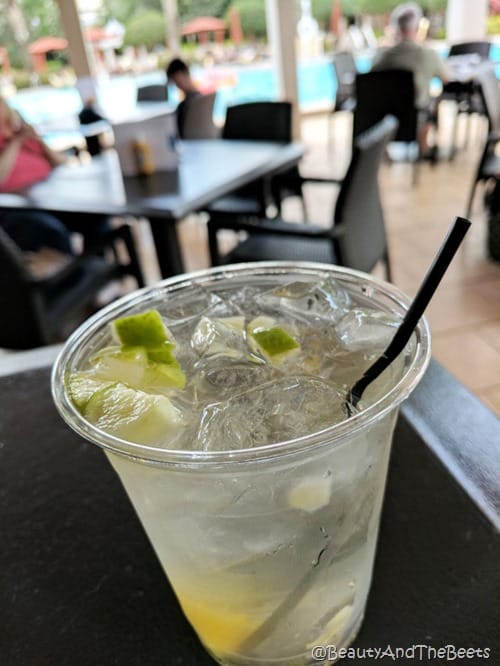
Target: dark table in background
x,y
207,170
81,586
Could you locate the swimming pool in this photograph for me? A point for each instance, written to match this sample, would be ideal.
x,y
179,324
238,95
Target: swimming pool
x,y
235,84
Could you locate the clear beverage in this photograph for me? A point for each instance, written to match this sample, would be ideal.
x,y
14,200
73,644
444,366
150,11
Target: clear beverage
x,y
264,507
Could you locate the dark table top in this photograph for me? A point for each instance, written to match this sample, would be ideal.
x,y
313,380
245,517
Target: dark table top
x,y
80,584
207,170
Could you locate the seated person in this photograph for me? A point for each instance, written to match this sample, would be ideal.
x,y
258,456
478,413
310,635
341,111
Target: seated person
x,y
178,73
24,160
423,61
87,116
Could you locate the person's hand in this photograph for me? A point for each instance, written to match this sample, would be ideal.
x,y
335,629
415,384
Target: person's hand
x,y
26,131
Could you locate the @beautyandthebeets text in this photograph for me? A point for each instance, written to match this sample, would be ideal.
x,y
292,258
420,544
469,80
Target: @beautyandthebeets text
x,y
419,652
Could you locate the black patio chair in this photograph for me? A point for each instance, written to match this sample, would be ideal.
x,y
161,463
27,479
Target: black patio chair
x,y
488,168
157,92
37,310
259,121
389,92
357,236
198,118
481,48
465,94
344,67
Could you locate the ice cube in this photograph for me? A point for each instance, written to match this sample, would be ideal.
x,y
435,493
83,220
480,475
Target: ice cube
x,y
224,336
365,329
181,308
323,301
275,411
219,376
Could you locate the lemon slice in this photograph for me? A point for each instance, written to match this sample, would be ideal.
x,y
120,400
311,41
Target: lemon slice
x,y
272,341
222,630
310,494
332,634
133,415
146,329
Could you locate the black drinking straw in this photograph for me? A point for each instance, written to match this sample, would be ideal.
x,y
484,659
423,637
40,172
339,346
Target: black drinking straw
x,y
414,313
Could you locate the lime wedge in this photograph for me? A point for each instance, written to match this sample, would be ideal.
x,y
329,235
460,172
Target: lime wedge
x,y
159,376
146,329
273,342
133,415
126,365
164,353
82,387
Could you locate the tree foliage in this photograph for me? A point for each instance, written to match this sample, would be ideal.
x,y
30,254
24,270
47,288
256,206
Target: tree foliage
x,y
146,29
41,18
253,17
189,9
125,10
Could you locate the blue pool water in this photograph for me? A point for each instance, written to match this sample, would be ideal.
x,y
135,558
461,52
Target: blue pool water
x,y
316,84
316,81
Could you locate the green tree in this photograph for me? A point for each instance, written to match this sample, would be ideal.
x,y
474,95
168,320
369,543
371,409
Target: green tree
x,y
321,10
386,6
42,17
146,29
125,10
253,17
189,9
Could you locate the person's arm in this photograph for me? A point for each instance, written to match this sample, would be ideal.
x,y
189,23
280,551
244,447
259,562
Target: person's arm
x,y
9,154
54,159
441,70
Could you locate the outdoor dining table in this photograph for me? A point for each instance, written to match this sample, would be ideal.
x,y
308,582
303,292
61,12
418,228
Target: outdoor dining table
x,y
81,585
206,171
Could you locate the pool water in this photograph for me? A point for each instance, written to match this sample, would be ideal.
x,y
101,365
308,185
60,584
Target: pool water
x,y
235,84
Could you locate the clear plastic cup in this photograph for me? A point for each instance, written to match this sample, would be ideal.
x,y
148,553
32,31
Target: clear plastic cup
x,y
269,550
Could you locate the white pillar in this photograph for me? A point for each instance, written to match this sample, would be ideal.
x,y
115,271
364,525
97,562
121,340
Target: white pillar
x,y
466,20
82,60
281,25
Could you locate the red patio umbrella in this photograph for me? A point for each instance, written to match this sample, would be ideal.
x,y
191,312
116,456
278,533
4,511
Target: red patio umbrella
x,y
46,44
39,49
95,34
203,24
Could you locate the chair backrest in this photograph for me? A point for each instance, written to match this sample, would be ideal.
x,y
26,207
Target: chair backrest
x,y
482,49
259,121
345,70
490,93
157,92
21,304
386,92
358,216
198,118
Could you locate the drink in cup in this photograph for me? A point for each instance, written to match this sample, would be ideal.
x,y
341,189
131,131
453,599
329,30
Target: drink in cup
x,y
220,400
